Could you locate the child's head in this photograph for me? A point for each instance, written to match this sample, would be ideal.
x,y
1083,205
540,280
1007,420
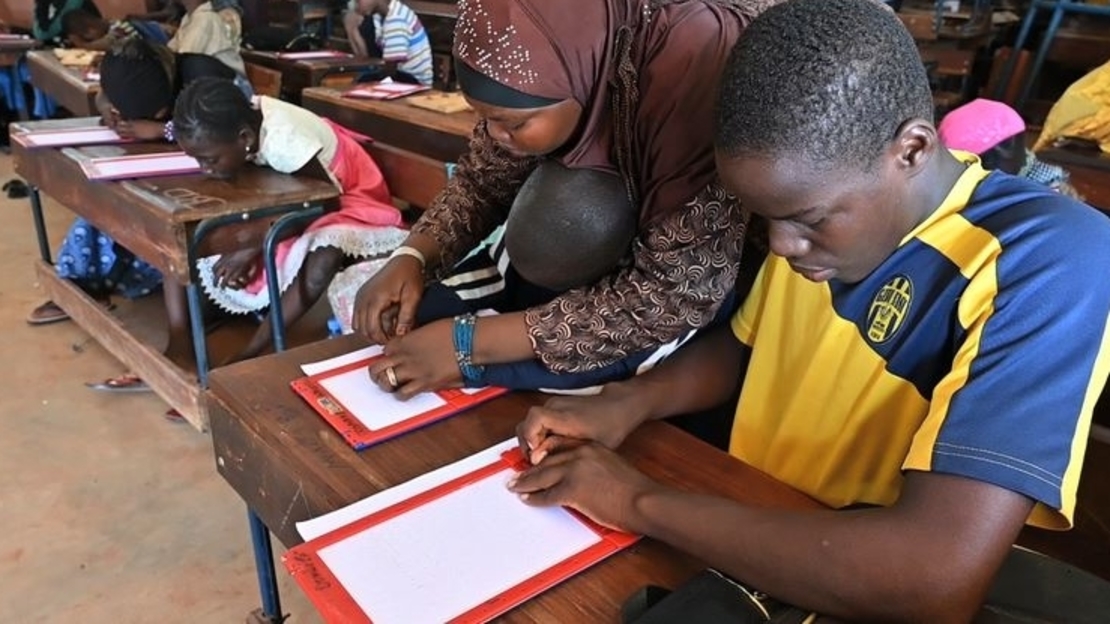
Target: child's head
x,y
569,227
135,76
824,128
81,27
369,7
988,128
216,124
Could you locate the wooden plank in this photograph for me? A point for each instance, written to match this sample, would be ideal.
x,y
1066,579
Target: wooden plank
x,y
62,83
412,178
440,136
177,387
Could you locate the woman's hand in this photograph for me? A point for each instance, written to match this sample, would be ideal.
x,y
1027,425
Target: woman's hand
x,y
385,306
141,129
607,418
237,269
590,479
422,360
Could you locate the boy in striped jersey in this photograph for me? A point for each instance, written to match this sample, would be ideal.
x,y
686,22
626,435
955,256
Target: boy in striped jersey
x,y
397,34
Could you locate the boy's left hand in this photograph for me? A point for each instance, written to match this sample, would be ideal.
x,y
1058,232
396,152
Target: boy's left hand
x,y
422,360
590,479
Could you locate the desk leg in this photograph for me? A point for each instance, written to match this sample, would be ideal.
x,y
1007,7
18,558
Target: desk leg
x,y
264,566
269,251
1015,52
196,327
40,224
260,534
1042,53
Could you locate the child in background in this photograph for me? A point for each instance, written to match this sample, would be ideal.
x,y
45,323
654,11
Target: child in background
x,y
225,131
47,20
396,34
218,33
996,133
82,29
139,82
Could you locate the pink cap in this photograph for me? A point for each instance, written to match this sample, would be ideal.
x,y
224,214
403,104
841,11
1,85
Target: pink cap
x,y
979,125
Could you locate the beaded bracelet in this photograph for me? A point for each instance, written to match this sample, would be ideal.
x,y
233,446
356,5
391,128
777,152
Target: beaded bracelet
x,y
464,349
167,131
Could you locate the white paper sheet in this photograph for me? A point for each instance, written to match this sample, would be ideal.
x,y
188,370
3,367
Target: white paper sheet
x,y
76,136
314,368
372,406
316,54
141,166
311,529
448,556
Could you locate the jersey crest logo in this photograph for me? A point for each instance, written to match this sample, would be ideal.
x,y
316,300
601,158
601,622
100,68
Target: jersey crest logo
x,y
889,309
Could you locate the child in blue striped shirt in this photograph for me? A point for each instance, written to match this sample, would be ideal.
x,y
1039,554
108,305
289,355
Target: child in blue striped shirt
x,y
397,33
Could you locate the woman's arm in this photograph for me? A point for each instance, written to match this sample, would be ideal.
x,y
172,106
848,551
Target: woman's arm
x,y
476,200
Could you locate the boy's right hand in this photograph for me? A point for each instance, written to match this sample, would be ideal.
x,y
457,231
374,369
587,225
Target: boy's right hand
x,y
385,305
607,418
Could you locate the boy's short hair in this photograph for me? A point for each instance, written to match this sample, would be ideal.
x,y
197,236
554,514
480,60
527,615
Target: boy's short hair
x,y
831,79
569,227
79,22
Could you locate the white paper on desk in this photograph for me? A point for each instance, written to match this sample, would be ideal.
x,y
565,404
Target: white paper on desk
x,y
76,136
311,529
315,368
372,406
139,166
314,54
449,555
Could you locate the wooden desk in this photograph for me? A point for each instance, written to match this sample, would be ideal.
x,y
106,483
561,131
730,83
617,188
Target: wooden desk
x,y
297,75
161,220
1089,173
64,84
289,465
441,136
11,53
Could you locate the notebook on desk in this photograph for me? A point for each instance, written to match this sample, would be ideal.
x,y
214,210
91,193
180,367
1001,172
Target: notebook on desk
x,y
342,392
448,551
139,166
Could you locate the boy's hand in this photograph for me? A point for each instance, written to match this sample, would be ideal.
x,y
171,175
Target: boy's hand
x,y
590,479
385,305
422,360
606,418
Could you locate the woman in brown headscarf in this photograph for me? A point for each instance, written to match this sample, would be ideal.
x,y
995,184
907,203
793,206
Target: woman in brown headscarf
x,y
625,86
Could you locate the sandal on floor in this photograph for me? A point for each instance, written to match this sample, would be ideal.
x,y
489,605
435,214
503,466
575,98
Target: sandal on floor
x,y
51,312
174,416
46,314
127,382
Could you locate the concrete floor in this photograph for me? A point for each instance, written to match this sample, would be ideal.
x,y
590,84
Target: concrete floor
x,y
109,512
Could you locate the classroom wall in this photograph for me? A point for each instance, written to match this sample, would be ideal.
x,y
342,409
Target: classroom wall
x,y
19,11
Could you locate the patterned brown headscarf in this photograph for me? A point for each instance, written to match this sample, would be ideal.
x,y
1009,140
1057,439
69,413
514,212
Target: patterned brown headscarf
x,y
644,71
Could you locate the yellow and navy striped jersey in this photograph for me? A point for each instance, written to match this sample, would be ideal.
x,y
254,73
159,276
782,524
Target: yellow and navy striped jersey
x,y
978,348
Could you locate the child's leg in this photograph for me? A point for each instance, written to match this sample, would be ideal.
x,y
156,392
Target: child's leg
x,y
179,348
316,273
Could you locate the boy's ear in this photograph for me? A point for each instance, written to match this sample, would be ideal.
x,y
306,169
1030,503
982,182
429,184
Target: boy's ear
x,y
915,144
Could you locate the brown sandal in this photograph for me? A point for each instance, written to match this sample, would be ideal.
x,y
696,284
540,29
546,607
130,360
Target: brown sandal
x,y
51,312
46,314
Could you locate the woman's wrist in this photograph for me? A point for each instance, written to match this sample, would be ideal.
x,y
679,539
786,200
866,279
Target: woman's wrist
x,y
426,246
